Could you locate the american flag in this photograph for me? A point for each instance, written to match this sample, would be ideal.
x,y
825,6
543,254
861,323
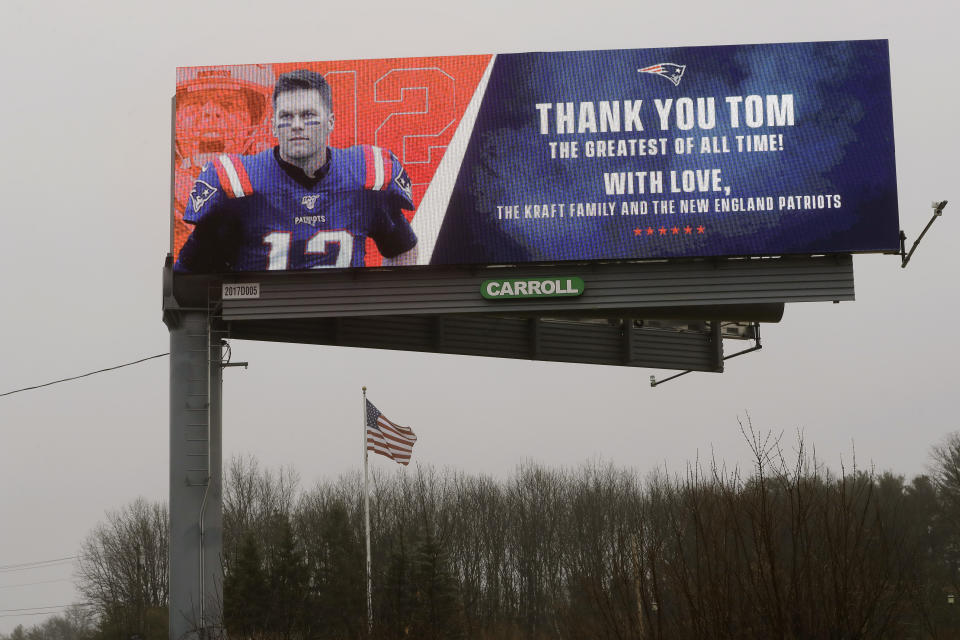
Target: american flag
x,y
387,438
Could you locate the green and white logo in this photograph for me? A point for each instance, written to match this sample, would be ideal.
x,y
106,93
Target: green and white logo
x,y
513,288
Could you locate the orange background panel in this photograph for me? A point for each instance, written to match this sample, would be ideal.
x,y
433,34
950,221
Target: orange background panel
x,y
411,106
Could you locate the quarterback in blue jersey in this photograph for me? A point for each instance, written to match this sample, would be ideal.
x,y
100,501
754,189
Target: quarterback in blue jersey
x,y
302,204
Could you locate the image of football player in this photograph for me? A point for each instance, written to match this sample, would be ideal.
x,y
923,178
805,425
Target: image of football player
x,y
301,204
218,110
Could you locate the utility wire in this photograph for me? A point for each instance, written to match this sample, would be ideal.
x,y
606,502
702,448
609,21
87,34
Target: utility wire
x,y
40,564
119,366
51,606
30,584
34,564
18,613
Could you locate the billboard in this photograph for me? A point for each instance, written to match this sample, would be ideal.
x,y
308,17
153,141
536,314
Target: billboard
x,y
744,150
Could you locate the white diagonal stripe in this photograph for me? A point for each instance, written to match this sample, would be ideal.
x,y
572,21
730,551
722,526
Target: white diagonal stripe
x,y
232,175
427,221
377,169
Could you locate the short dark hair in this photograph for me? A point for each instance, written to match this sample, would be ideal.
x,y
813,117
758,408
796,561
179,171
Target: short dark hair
x,y
304,79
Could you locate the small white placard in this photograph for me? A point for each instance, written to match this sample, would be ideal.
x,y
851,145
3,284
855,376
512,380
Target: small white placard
x,y
241,291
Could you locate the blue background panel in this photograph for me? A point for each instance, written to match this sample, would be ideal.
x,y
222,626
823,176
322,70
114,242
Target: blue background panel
x,y
839,151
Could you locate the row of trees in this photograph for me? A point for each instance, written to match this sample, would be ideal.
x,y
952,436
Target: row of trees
x,y
788,550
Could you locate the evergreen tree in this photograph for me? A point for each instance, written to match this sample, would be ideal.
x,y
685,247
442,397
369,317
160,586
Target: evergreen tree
x,y
337,563
395,594
289,581
245,592
436,612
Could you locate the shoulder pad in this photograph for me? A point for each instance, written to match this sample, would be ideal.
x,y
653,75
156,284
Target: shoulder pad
x,y
205,187
206,194
233,176
377,167
383,172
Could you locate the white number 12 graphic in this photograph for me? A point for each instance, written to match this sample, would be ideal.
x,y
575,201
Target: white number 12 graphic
x,y
321,243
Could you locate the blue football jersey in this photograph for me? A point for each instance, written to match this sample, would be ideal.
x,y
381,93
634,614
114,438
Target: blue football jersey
x,y
259,213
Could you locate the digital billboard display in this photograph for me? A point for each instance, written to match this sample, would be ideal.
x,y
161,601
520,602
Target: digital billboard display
x,y
743,150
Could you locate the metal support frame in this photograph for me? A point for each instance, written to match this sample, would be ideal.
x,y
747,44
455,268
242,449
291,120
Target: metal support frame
x,y
716,329
196,495
626,329
535,338
343,308
904,256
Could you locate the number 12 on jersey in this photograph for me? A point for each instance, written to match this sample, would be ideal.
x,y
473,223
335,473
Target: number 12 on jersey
x,y
333,247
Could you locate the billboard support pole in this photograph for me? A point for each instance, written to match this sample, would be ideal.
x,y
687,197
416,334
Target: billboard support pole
x,y
196,543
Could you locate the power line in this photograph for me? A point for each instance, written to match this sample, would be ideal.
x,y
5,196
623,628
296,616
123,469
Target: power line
x,y
21,615
17,613
30,584
36,564
50,606
119,366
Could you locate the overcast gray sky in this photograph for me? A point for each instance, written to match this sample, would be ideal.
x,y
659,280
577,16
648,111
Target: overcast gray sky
x,y
84,173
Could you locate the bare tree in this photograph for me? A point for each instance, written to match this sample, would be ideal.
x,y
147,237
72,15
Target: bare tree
x,y
945,529
782,549
254,500
75,623
945,470
123,570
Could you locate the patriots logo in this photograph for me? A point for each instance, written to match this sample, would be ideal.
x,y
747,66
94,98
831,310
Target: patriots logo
x,y
200,193
403,182
668,70
310,201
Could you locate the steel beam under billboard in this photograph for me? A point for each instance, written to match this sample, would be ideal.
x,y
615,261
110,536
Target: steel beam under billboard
x,y
741,150
446,311
728,289
613,342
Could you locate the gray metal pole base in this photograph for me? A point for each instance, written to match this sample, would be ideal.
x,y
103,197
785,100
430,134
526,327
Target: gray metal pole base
x,y
196,514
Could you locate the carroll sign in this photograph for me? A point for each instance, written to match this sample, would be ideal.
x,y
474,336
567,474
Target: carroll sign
x,y
536,157
513,288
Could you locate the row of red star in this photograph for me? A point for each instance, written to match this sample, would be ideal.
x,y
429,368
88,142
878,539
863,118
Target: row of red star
x,y
687,230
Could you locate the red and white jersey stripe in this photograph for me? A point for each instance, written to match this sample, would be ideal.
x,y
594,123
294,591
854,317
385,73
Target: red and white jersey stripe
x,y
233,176
379,168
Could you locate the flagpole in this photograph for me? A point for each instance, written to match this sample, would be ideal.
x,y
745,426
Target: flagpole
x,y
366,514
